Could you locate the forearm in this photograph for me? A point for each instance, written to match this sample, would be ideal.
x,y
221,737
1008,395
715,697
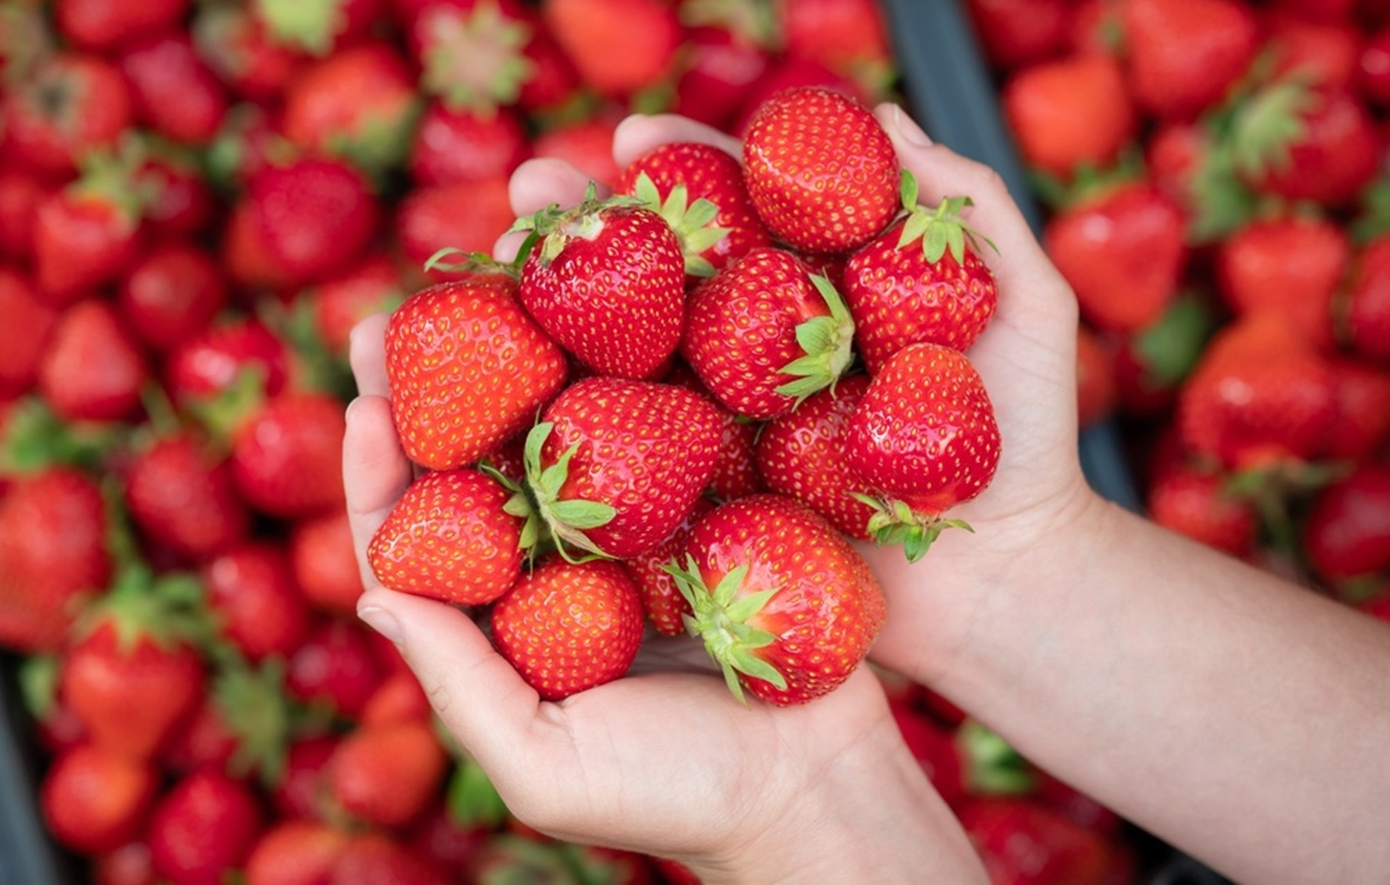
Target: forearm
x,y
1238,716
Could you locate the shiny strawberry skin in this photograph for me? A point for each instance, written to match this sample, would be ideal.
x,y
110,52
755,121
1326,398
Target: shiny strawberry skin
x,y
315,215
661,601
1195,503
610,288
820,170
387,775
1070,112
500,368
1347,532
94,800
259,607
203,827
181,493
568,627
287,457
94,368
449,538
1183,55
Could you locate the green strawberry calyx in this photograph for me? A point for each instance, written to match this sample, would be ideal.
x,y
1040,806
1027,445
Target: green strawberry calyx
x,y
253,704
310,25
552,228
475,60
827,345
941,229
168,610
894,522
567,519
721,618
1269,123
692,223
451,259
535,534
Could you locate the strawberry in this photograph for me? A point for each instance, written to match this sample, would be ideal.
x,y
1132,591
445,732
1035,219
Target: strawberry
x,y
786,73
1362,425
358,104
321,30
1372,71
287,457
723,59
662,603
1184,56
399,698
179,198
202,828
735,467
72,105
1324,52
376,858
615,465
334,668
457,146
1017,33
1123,251
1024,843
93,800
386,775
936,751
325,566
298,794
1199,504
1365,313
252,592
172,293
451,536
847,36
224,358
764,333
89,233
705,173
128,864
1097,392
295,852
802,455
474,56
237,44
921,280
94,368
1070,113
180,493
500,369
785,605
20,196
53,537
925,439
173,90
1347,531
567,627
339,303
606,280
820,170
133,675
465,215
32,321
314,215
584,29
98,25
586,144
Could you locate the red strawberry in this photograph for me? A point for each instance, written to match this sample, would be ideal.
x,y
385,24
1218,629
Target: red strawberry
x,y
924,438
334,667
376,858
451,536
134,677
1347,532
1123,251
172,293
465,215
1366,310
252,591
456,146
1070,113
179,198
1200,504
325,565
298,794
53,551
500,369
295,852
93,369
586,144
94,800
181,494
287,457
567,627
224,358
936,751
787,73
20,196
785,605
1015,33
922,280
723,59
203,828
1362,425
72,105
802,455
387,775
607,281
1024,843
173,90
98,25
584,29
662,603
322,30
1185,55
764,333
339,303
237,45
1324,52
847,36
821,171
1373,68
616,464
315,215
399,698
31,321
735,467
87,234
474,55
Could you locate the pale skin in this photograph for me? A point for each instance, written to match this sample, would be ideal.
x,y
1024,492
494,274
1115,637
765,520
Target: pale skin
x,y
1239,717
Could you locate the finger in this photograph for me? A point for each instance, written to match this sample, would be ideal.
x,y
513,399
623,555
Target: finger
x,y
367,355
639,133
376,473
477,694
535,185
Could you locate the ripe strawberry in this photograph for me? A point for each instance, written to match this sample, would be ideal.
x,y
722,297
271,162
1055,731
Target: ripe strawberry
x,y
1372,73
325,566
172,293
315,215
20,196
1362,425
606,280
31,321
295,852
724,57
500,369
465,215
1365,313
87,234
237,44
615,465
584,29
802,455
1324,52
72,105
787,73
93,369
785,605
251,590
1016,33
1261,395
921,280
339,303
936,750
173,90
662,603
318,31
99,26
287,457
451,536
53,552
567,627
924,438
377,858
203,827
820,170
847,36
180,494
705,173
457,146
1200,504
334,667
387,775
298,794
735,467
586,144
1024,843
93,800
764,333
224,359
399,698
1070,113
129,864
1185,55
1123,251
179,200
1347,532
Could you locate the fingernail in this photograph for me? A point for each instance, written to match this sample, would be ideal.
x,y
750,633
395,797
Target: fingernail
x,y
909,130
382,621
347,413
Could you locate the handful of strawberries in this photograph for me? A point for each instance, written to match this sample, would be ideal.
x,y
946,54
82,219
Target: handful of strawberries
x,y
680,403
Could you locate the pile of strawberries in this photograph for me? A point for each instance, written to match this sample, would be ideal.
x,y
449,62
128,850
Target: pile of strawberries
x,y
1215,173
